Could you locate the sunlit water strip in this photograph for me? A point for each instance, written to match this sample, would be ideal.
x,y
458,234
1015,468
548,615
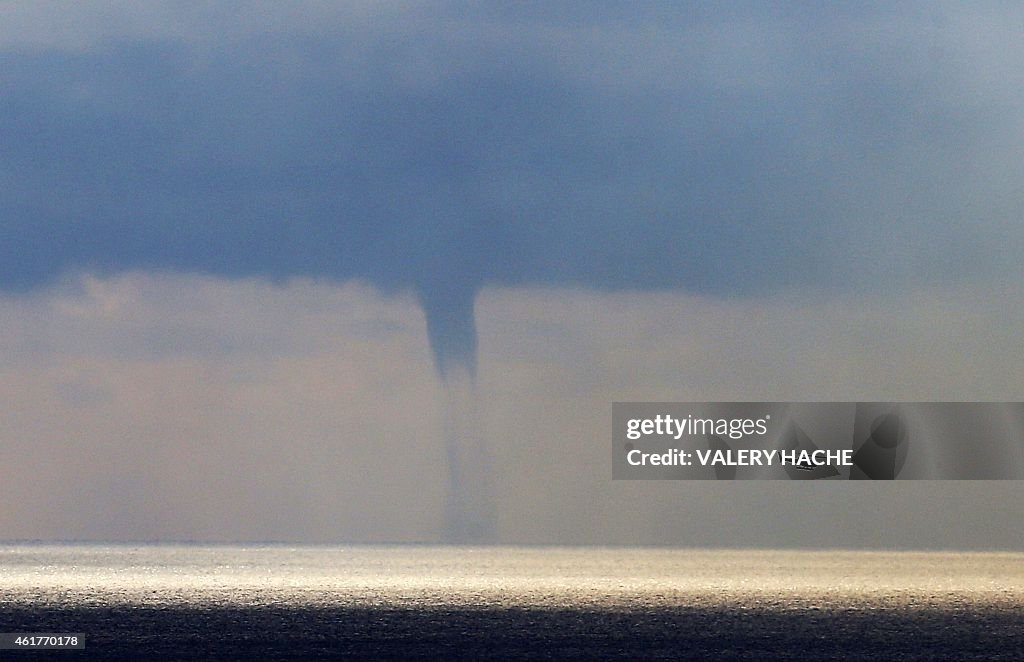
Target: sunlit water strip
x,y
68,575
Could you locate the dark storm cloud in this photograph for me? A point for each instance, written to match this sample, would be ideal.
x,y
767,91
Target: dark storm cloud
x,y
725,150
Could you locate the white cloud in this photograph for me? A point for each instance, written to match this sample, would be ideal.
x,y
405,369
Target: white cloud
x,y
310,411
274,415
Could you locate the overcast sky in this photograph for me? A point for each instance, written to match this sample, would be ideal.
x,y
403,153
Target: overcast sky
x,y
240,241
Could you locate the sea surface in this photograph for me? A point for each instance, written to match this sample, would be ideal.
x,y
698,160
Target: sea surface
x,y
500,602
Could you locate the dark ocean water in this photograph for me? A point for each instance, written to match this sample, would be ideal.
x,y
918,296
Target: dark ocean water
x,y
402,602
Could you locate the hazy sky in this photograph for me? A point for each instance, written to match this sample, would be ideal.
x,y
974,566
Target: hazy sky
x,y
239,238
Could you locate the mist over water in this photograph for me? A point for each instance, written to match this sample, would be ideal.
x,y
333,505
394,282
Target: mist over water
x,y
470,509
